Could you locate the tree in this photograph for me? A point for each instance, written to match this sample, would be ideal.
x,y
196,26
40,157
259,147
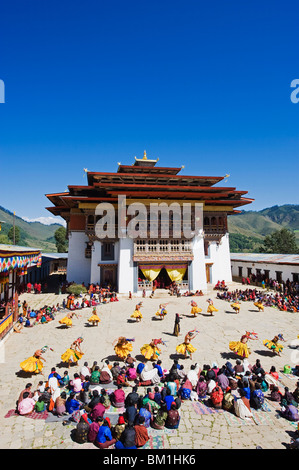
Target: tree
x,y
60,240
280,241
17,235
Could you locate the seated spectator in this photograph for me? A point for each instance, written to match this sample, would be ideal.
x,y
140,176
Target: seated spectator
x,y
95,376
242,406
157,395
59,406
119,427
81,431
132,397
26,405
117,398
106,399
173,418
216,397
168,399
257,397
144,411
201,388
127,438
40,405
159,419
94,429
290,413
98,410
185,390
85,371
104,437
115,370
131,373
239,368
222,379
131,413
158,366
94,400
228,400
72,404
141,434
76,384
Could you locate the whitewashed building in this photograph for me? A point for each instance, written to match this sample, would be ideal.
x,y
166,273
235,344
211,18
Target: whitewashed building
x,y
279,267
133,263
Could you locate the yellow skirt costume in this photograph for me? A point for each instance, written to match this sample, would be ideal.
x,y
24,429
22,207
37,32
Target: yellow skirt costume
x,y
71,355
32,364
275,347
195,310
259,305
236,306
212,309
136,314
94,318
66,321
185,347
241,349
159,312
150,352
122,350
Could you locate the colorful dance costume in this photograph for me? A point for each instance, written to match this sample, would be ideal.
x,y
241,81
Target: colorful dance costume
x,y
161,312
66,321
137,314
73,354
151,351
94,317
195,309
274,345
211,307
33,364
240,347
186,347
123,347
259,305
236,306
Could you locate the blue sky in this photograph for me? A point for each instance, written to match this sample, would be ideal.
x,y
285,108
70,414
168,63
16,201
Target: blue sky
x,y
200,84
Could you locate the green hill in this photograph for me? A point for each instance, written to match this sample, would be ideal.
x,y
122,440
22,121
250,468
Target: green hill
x,y
248,229
33,234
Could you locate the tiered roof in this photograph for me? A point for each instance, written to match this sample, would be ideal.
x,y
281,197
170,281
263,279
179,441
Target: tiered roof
x,y
143,180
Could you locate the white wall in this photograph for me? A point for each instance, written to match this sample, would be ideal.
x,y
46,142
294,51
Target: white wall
x,y
125,265
220,257
286,270
198,266
78,267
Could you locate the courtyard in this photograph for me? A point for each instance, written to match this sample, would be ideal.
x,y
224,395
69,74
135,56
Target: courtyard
x,y
199,427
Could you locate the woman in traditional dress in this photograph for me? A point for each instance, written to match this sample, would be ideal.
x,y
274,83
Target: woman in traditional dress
x,y
195,309
161,312
94,319
74,353
274,345
177,329
236,306
123,347
149,373
240,347
151,351
34,363
186,347
259,305
211,307
137,313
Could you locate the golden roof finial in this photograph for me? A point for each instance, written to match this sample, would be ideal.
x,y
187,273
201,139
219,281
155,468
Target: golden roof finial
x,y
144,155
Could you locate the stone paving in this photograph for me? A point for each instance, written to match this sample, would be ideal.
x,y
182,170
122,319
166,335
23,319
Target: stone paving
x,y
196,431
